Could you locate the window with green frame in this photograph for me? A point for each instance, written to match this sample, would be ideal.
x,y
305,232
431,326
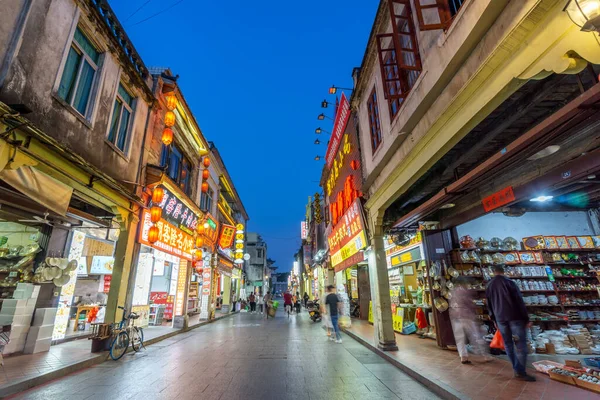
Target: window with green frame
x,y
121,119
79,73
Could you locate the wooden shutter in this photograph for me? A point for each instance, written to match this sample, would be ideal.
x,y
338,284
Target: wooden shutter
x,y
398,51
433,14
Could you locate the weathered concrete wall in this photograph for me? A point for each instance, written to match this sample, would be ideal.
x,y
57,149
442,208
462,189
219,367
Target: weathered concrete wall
x,y
35,73
442,53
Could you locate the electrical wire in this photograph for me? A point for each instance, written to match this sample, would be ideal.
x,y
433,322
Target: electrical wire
x,y
158,13
136,11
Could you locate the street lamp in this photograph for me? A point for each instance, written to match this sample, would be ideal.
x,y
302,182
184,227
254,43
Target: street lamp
x,y
325,104
333,89
322,116
585,14
318,158
318,131
317,141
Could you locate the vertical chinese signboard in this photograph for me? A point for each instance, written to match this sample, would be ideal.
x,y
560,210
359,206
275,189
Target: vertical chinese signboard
x,y
181,287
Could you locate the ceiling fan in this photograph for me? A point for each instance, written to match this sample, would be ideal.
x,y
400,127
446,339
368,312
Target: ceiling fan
x,y
38,220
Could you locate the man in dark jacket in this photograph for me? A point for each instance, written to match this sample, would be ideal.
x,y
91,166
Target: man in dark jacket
x,y
507,308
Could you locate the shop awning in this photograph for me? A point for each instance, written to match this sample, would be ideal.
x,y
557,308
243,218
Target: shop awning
x,y
557,128
18,170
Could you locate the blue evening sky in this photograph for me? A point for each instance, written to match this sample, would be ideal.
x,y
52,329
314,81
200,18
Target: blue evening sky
x,y
254,74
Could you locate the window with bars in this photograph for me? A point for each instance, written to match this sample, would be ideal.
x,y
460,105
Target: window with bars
x,y
79,73
399,56
436,14
179,169
121,120
374,124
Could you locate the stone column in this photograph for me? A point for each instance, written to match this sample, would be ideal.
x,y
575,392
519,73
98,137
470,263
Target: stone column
x,y
123,257
380,288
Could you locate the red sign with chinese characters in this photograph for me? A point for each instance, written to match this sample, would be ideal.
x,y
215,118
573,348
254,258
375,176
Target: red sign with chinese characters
x,y
158,297
107,279
227,234
171,240
211,232
339,127
347,228
499,199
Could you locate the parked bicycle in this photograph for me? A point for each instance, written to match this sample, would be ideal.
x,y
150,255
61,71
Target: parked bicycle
x,y
126,332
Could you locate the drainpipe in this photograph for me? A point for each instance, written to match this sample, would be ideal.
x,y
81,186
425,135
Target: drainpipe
x,y
15,41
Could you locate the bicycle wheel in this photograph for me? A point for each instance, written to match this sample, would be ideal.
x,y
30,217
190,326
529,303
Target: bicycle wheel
x,y
137,338
119,345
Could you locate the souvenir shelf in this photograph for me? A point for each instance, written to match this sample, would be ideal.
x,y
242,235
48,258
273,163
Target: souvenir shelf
x,y
547,270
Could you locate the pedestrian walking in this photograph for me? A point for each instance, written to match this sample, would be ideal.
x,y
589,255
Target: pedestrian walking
x,y
507,309
306,297
297,302
268,303
260,302
464,325
252,301
334,304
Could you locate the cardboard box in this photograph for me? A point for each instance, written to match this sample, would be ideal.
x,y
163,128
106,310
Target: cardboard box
x,y
31,302
36,291
27,289
40,332
13,303
14,346
573,363
6,319
44,316
22,319
13,310
20,294
18,330
38,346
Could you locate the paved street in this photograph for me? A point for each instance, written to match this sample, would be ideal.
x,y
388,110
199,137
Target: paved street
x,y
242,357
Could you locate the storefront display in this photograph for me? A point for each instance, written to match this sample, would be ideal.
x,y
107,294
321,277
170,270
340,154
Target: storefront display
x,y
409,294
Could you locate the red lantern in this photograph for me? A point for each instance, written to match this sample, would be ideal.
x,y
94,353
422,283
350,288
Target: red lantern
x,y
153,234
198,254
199,241
155,214
171,101
205,174
206,162
204,187
157,195
199,270
200,228
167,136
169,119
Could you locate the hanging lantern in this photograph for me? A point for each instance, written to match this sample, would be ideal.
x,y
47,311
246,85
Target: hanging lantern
x,y
205,174
199,241
153,234
200,229
157,194
155,214
198,254
169,119
199,270
204,187
206,162
167,136
171,102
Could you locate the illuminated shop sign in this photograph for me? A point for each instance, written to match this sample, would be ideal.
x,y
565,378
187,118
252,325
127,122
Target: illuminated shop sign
x,y
417,239
348,238
171,239
211,231
339,126
303,230
227,236
177,213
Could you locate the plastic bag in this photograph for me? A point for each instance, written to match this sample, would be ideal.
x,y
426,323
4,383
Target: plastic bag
x,y
497,341
344,321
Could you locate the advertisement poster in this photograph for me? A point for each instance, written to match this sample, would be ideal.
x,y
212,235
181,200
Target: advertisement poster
x,y
102,265
144,313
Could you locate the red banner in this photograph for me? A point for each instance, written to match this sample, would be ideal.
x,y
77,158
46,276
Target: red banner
x,y
499,199
158,297
341,119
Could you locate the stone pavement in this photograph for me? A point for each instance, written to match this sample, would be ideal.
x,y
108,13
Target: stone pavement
x,y
242,357
478,381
